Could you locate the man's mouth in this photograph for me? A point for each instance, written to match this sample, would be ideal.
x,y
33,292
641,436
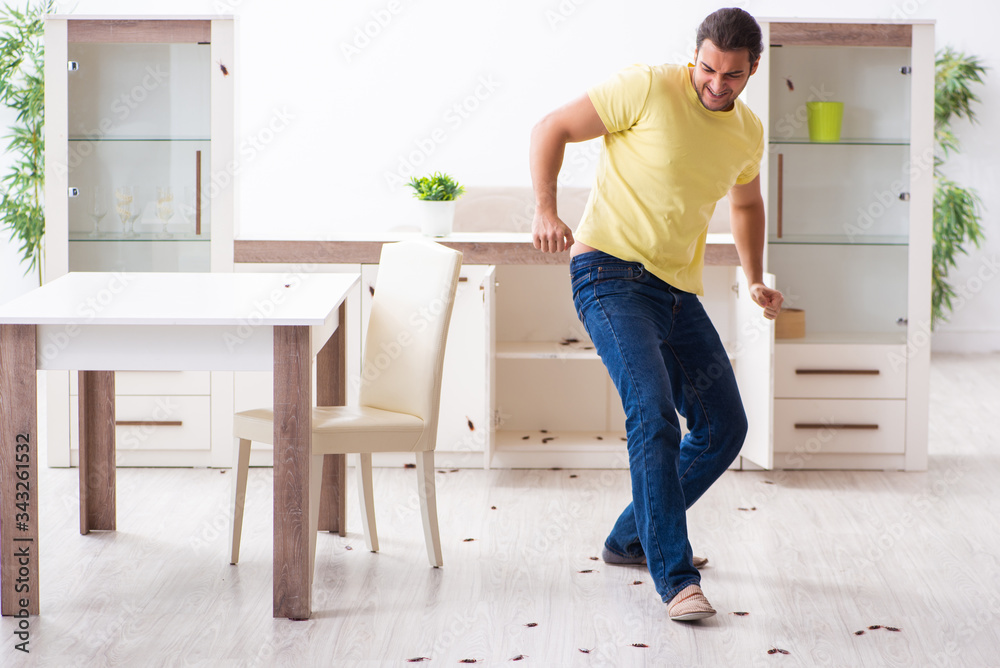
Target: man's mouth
x,y
715,96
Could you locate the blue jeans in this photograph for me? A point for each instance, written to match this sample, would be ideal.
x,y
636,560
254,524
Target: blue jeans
x,y
665,357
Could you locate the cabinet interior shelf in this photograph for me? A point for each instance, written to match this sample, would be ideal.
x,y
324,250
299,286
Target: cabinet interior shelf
x,y
139,139
847,141
144,238
561,441
545,350
861,338
839,240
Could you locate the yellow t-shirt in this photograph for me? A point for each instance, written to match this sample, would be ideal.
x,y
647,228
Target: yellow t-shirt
x,y
666,162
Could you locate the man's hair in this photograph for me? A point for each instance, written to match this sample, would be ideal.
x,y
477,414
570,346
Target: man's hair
x,y
732,29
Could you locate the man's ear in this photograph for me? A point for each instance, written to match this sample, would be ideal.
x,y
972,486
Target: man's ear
x,y
753,68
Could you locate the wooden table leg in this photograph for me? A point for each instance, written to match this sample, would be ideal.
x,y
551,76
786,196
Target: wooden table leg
x,y
292,460
331,390
19,577
97,451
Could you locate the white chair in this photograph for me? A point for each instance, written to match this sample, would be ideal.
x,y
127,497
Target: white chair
x,y
399,395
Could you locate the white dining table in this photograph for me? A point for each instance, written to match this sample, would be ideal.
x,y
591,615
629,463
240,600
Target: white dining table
x,y
98,323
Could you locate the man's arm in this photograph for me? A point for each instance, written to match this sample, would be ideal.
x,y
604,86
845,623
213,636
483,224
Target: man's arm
x,y
574,122
746,207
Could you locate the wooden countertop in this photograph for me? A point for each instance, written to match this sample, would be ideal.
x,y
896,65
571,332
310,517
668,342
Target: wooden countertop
x,y
477,248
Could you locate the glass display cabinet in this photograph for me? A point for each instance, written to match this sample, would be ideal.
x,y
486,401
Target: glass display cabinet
x,y
849,239
139,147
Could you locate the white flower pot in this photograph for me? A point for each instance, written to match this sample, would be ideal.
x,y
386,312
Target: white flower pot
x,y
436,218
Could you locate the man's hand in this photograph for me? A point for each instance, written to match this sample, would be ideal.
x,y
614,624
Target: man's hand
x,y
767,298
549,234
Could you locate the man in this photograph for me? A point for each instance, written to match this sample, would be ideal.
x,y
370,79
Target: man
x,y
676,140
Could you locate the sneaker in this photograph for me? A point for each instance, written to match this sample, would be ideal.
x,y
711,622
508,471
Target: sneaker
x,y
690,605
612,558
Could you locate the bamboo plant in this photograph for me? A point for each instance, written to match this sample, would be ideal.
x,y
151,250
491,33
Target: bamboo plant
x,y
22,88
957,210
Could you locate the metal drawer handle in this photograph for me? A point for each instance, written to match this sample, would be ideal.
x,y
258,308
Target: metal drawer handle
x,y
149,423
821,425
837,372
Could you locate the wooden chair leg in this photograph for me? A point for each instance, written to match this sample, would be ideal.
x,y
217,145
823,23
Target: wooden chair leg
x,y
241,467
315,486
367,499
428,506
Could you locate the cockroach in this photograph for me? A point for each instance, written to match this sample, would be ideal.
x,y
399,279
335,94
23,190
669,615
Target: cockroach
x,y
520,657
472,427
525,438
547,439
566,341
741,614
555,468
544,431
859,633
750,508
893,628
531,625
371,289
409,466
589,570
788,82
468,540
637,582
493,507
453,470
225,70
639,644
469,661
417,659
600,438
874,626
348,547
775,650
573,475
767,482
594,559
586,651
624,439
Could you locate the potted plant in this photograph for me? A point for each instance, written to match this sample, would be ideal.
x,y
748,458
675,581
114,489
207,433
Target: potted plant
x,y
437,194
956,208
22,88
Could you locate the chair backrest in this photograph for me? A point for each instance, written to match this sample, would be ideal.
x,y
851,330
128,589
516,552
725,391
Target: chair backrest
x,y
408,329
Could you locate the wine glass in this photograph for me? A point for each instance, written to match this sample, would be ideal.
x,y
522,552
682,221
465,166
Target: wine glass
x,y
164,206
97,208
124,205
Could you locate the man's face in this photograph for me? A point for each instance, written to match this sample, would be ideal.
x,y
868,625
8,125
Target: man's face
x,y
719,77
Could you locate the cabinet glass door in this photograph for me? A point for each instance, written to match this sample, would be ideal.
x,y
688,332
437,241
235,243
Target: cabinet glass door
x,y
839,208
139,156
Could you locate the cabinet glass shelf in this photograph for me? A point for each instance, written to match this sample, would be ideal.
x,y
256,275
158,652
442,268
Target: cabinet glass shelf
x,y
847,141
139,139
839,240
142,237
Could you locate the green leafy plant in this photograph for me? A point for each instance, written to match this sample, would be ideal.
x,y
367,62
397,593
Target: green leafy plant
x,y
22,88
957,210
438,187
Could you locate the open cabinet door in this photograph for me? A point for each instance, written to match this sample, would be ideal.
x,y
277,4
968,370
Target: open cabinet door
x,y
754,366
490,319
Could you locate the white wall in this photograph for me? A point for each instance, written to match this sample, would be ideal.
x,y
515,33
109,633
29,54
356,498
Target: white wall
x,y
456,85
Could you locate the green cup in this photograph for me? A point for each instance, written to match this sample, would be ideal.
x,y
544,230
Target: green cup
x,y
824,120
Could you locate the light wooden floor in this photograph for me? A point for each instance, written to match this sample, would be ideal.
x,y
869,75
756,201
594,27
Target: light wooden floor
x,y
822,556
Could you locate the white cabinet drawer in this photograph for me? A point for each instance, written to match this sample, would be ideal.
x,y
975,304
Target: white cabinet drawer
x,y
156,382
158,423
839,371
813,426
